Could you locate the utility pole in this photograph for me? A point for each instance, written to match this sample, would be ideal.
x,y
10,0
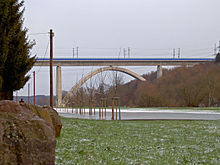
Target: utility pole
x,y
16,96
34,86
51,67
28,93
73,53
215,50
174,52
178,52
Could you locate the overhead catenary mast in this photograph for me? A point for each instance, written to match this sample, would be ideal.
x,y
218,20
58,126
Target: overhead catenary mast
x,y
174,52
124,52
77,52
129,52
178,52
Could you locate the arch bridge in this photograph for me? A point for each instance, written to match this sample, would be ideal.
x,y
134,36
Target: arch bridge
x,y
93,73
159,62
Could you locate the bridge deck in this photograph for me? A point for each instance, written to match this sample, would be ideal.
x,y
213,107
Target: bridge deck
x,y
121,61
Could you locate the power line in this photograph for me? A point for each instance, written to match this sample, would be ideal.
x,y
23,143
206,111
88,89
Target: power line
x,y
38,33
44,55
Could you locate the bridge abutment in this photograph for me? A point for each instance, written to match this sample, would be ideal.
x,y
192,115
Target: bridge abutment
x,y
159,71
59,88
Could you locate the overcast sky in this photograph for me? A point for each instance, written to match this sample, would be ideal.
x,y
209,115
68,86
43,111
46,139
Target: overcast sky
x,y
151,28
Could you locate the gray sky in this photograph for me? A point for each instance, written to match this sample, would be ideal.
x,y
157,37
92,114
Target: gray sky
x,y
151,28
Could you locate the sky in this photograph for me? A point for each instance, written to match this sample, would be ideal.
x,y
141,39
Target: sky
x,y
103,28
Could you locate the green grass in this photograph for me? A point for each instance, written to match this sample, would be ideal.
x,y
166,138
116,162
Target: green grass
x,y
138,142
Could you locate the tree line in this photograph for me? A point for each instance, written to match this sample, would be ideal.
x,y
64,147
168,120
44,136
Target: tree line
x,y
178,87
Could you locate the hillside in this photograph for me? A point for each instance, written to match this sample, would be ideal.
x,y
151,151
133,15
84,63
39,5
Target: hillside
x,y
39,99
178,87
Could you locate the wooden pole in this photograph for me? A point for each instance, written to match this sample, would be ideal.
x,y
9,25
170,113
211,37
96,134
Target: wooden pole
x,y
100,109
76,108
94,107
51,67
28,93
119,109
89,106
34,86
116,107
16,97
80,108
112,108
105,107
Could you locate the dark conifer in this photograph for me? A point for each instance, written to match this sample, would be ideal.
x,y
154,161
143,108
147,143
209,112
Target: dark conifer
x,y
15,60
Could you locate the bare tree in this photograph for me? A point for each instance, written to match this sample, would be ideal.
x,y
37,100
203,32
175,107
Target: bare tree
x,y
117,81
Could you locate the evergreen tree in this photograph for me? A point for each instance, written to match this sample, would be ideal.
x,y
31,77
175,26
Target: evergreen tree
x,y
15,60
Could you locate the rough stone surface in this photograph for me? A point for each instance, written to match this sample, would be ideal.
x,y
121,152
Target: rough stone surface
x,y
25,138
49,114
55,120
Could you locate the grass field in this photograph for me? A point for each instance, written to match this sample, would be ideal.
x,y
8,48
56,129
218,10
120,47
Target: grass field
x,y
138,142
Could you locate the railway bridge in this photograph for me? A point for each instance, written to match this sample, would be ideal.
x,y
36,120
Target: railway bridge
x,y
114,64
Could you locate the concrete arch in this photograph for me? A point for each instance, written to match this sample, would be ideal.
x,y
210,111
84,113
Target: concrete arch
x,y
110,68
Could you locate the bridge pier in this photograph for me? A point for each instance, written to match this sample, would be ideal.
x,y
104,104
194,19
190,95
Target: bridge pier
x,y
159,71
58,88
